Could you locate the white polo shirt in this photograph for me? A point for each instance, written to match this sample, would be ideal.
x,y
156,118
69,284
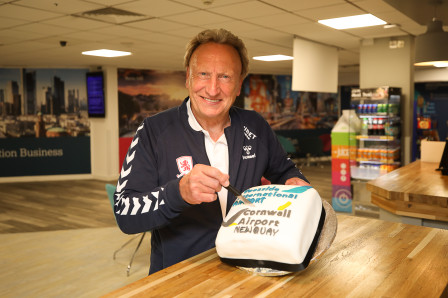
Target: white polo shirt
x,y
217,152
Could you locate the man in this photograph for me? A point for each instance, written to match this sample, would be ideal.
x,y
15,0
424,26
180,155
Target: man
x,y
171,180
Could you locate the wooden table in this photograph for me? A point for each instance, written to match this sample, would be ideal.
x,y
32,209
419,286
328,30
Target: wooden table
x,y
368,257
415,190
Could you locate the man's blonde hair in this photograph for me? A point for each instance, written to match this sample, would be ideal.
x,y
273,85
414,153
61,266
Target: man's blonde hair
x,y
220,36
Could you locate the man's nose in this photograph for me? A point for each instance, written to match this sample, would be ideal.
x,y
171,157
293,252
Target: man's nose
x,y
213,86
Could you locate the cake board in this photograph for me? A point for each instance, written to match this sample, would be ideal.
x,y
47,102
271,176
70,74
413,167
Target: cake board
x,y
326,238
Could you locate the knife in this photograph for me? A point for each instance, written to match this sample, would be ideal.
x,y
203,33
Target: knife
x,y
237,194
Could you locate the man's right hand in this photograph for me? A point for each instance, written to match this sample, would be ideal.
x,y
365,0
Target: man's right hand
x,y
201,184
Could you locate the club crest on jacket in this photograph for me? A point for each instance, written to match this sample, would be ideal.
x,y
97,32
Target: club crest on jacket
x,y
184,164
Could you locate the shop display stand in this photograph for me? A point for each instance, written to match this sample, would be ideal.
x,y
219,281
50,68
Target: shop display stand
x,y
378,144
443,166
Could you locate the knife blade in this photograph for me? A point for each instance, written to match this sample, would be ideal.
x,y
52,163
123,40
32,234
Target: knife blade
x,y
237,194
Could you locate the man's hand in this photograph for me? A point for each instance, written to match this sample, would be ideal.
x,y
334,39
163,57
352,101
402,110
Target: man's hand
x,y
296,181
201,184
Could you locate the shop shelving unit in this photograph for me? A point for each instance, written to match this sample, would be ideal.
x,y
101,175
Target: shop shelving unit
x,y
378,144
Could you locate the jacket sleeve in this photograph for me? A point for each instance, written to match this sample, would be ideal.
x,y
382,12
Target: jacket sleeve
x,y
280,166
140,203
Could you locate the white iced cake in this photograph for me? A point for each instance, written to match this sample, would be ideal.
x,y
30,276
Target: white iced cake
x,y
279,231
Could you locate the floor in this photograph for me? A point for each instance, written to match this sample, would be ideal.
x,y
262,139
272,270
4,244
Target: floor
x,y
54,206
58,238
68,263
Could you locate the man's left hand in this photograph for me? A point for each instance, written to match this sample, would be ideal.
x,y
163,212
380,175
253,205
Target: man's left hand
x,y
296,181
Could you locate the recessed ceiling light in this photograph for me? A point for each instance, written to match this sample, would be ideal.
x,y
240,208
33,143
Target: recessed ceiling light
x,y
433,63
273,58
106,53
441,64
363,20
390,26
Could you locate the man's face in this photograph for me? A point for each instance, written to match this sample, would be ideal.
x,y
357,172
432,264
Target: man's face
x,y
213,80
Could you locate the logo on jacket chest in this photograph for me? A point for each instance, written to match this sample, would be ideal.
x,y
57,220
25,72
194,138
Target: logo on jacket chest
x,y
248,134
248,152
184,165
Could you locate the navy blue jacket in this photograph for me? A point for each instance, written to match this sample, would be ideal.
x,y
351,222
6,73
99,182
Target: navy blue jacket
x,y
148,197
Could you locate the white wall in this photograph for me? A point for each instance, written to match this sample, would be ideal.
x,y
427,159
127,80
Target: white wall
x,y
104,132
420,75
431,75
383,66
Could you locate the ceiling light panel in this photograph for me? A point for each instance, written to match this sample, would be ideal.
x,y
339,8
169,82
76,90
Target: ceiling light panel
x,y
331,11
273,58
441,64
106,53
358,21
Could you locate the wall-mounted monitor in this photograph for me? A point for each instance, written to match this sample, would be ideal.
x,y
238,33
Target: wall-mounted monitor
x,y
96,101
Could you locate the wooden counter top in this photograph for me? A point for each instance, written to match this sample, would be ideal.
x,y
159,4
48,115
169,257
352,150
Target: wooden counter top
x,y
415,190
368,257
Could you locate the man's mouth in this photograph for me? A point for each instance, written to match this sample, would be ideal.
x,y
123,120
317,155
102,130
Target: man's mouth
x,y
211,100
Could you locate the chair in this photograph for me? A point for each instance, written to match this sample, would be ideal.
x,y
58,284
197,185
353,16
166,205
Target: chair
x,y
110,189
287,145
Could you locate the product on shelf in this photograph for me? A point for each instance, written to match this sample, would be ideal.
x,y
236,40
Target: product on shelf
x,y
380,127
378,145
365,126
381,154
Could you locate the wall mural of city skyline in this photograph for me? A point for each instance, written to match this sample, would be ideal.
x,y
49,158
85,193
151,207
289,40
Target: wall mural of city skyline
x,y
44,124
284,109
145,92
55,99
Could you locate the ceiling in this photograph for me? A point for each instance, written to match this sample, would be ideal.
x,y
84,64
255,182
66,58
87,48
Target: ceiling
x,y
156,31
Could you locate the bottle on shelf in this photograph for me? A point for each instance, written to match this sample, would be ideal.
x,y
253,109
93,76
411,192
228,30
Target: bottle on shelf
x,y
365,126
375,127
381,127
370,127
387,130
383,155
366,109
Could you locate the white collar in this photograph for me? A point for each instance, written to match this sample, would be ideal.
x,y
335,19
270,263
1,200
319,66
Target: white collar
x,y
192,119
194,123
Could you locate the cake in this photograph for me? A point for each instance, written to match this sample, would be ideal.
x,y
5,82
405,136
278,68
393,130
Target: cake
x,y
279,231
